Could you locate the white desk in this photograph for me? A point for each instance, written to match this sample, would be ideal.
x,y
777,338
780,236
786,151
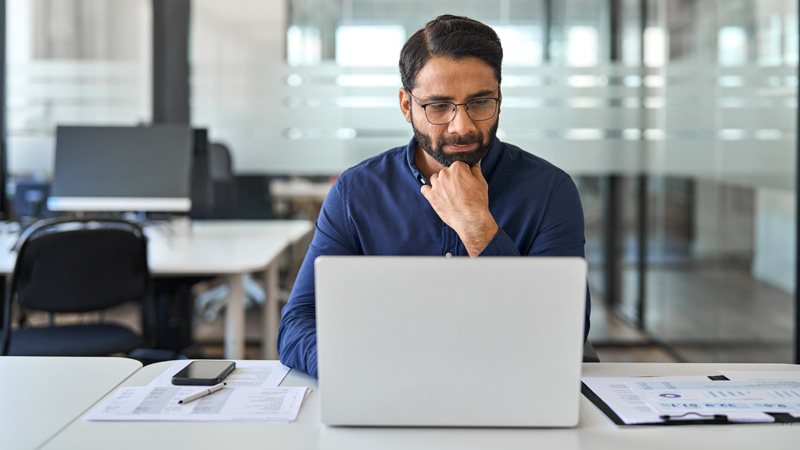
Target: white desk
x,y
595,431
40,396
226,248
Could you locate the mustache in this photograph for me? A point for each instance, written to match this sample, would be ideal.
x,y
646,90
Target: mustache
x,y
460,140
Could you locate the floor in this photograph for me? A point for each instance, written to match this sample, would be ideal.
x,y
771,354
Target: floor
x,y
698,313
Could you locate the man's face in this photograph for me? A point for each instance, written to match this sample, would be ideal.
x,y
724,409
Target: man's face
x,y
455,81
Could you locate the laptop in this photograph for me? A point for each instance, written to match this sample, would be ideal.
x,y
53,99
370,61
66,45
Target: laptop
x,y
450,342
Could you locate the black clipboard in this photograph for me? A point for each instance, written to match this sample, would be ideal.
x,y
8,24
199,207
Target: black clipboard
x,y
685,419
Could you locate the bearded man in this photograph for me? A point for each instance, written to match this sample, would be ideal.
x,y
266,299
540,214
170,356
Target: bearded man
x,y
454,190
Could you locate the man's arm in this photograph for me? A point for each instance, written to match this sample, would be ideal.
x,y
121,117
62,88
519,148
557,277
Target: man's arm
x,y
459,195
297,333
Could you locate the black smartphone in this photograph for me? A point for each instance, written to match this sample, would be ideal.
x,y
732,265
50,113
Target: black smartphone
x,y
204,373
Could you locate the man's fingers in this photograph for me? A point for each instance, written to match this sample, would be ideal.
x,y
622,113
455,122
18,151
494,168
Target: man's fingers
x,y
425,190
476,171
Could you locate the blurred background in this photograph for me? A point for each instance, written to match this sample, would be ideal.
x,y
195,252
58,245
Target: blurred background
x,y
676,118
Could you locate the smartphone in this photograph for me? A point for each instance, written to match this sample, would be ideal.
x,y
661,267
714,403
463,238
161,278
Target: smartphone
x,y
204,373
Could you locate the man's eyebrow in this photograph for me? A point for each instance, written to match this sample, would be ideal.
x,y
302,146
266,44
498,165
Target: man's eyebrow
x,y
446,98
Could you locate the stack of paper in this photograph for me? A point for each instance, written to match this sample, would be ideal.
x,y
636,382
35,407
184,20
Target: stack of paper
x,y
251,395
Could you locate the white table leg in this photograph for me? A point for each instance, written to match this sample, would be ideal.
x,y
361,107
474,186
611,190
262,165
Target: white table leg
x,y
271,313
234,318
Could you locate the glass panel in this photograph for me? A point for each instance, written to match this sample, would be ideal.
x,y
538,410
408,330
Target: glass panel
x,y
693,127
73,62
721,279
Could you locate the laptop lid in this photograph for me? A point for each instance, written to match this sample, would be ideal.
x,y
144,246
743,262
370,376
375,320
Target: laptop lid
x,y
430,341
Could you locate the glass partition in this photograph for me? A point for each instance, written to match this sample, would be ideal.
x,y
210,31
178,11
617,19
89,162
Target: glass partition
x,y
675,118
72,62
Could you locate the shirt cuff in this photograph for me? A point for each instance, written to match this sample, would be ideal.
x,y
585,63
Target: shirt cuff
x,y
500,245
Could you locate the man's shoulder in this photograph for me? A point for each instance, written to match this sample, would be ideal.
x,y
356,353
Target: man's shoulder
x,y
522,161
379,165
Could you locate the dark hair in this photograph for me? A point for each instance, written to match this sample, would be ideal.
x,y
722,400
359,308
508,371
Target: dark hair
x,y
452,36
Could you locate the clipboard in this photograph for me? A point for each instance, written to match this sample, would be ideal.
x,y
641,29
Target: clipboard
x,y
683,419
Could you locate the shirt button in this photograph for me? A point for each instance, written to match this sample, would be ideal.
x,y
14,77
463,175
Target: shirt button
x,y
448,255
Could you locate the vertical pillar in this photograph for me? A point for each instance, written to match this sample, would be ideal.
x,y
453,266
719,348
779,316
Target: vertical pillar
x,y
642,194
612,201
171,61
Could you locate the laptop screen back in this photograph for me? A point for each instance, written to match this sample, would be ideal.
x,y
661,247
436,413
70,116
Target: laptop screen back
x,y
421,341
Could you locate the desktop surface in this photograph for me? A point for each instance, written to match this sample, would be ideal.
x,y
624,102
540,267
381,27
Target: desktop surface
x,y
41,395
594,432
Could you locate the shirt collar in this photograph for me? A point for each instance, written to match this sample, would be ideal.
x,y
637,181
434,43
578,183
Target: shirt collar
x,y
487,163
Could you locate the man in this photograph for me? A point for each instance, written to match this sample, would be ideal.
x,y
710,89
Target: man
x,y
454,190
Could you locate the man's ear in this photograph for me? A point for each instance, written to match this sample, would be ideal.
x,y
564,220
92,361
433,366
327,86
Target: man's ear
x,y
499,102
405,104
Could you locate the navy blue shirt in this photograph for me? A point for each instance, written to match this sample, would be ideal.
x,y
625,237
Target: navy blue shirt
x,y
376,208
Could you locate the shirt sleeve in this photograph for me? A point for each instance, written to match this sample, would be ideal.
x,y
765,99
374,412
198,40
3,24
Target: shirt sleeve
x,y
297,333
561,233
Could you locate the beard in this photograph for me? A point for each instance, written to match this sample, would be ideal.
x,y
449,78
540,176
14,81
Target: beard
x,y
447,159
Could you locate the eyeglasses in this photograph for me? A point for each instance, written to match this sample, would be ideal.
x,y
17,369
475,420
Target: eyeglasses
x,y
441,113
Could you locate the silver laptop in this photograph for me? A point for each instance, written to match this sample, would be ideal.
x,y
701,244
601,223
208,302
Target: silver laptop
x,y
429,341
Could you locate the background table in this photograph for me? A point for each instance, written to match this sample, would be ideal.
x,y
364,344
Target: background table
x,y
41,395
595,430
229,248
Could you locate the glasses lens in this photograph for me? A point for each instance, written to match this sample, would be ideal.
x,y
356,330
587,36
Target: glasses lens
x,y
482,108
440,113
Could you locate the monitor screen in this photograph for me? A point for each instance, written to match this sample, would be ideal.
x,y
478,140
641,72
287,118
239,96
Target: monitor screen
x,y
122,169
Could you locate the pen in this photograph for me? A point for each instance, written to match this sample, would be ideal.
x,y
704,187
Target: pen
x,y
202,393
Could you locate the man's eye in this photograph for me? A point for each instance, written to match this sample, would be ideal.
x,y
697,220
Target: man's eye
x,y
480,102
439,107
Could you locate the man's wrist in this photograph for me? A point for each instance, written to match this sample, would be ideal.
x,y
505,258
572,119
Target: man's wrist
x,y
476,235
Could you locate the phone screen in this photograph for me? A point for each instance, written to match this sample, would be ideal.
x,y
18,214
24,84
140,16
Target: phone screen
x,y
204,372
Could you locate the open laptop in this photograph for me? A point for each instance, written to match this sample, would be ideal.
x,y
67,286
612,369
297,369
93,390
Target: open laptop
x,y
430,341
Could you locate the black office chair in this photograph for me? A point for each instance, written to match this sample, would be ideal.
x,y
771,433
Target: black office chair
x,y
69,265
223,182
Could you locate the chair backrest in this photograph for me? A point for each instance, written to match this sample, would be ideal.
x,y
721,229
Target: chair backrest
x,y
254,199
220,166
81,265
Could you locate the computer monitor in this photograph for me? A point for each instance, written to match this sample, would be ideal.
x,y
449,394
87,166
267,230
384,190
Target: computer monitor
x,y
143,168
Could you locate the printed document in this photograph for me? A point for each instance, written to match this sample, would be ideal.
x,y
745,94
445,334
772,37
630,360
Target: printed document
x,y
740,401
251,394
160,403
246,374
642,400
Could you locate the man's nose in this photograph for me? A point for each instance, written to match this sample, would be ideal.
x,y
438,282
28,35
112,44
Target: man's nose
x,y
461,123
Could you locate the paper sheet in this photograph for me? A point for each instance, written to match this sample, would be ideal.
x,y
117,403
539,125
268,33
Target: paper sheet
x,y
247,374
746,375
618,395
640,400
160,403
251,395
741,401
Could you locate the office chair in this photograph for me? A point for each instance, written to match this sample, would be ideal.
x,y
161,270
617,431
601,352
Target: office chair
x,y
224,195
69,265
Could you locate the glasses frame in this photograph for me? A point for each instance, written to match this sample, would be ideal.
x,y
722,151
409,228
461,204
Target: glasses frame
x,y
455,108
